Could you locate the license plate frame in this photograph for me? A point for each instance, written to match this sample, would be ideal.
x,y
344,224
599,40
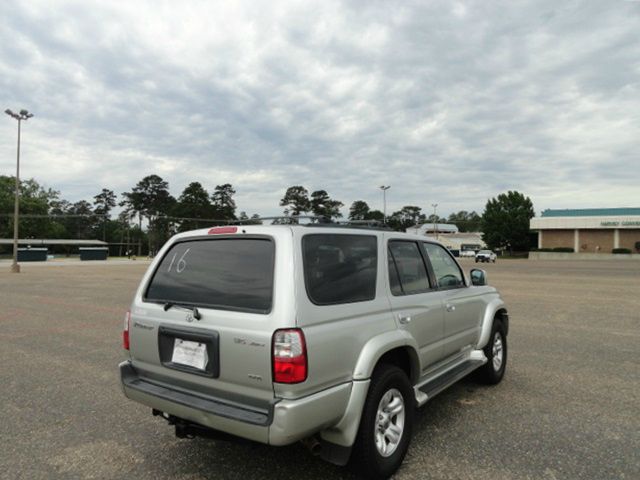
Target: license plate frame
x,y
167,337
189,354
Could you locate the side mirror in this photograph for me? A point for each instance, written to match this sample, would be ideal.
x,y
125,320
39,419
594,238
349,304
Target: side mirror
x,y
478,277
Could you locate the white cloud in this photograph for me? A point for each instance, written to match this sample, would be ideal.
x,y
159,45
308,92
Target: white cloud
x,y
448,103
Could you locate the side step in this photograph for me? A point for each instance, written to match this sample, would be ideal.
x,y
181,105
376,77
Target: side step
x,y
431,387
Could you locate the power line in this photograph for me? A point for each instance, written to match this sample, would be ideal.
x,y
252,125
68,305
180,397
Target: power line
x,y
101,215
54,215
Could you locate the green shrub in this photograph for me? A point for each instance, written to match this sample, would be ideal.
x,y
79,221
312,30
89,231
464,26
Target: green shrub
x,y
542,250
620,250
515,256
563,249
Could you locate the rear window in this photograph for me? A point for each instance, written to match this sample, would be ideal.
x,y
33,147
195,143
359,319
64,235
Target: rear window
x,y
340,268
226,274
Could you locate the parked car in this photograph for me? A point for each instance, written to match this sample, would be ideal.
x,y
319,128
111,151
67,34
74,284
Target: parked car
x,y
320,334
467,253
486,256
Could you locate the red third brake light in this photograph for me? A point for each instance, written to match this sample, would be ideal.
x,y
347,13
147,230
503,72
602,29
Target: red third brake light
x,y
218,230
125,331
289,356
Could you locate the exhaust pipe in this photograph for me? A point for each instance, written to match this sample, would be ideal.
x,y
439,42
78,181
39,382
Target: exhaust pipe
x,y
312,444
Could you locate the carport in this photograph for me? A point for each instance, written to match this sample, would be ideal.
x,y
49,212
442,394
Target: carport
x,y
37,249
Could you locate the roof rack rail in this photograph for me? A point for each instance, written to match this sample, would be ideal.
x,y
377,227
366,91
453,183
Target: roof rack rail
x,y
314,221
369,223
361,224
286,220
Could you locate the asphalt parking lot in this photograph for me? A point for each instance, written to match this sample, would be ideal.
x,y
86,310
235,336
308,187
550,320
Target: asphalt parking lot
x,y
568,408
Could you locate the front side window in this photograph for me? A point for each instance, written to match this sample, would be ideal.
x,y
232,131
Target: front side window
x,y
226,274
340,268
407,272
446,270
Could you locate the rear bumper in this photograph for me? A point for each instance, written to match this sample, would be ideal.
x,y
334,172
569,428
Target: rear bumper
x,y
281,423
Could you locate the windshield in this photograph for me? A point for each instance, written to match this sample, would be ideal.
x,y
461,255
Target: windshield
x,y
226,274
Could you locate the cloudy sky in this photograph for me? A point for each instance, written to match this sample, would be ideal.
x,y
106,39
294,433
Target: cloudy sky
x,y
447,102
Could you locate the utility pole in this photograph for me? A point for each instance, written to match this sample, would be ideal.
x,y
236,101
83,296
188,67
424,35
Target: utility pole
x,y
384,202
435,218
23,115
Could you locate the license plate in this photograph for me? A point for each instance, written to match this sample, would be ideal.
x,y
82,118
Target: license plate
x,y
192,354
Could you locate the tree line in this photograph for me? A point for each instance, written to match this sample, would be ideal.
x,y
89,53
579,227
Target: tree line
x,y
150,215
44,214
297,201
504,223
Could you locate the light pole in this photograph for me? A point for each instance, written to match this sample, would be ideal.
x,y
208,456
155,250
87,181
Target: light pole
x,y
384,202
23,115
435,218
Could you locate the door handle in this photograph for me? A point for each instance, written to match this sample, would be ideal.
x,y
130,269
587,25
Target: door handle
x,y
404,319
450,308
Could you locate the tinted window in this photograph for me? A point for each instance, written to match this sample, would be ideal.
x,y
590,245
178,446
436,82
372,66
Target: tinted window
x,y
394,279
446,270
340,268
410,268
229,274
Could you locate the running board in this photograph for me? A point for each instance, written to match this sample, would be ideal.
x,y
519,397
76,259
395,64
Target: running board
x,y
429,388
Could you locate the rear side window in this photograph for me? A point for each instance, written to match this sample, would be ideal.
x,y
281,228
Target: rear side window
x,y
394,278
407,271
226,274
340,268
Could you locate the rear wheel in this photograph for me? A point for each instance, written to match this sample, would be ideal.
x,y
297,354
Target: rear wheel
x,y
496,353
386,424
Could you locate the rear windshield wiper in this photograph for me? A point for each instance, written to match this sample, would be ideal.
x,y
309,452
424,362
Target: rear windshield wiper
x,y
194,310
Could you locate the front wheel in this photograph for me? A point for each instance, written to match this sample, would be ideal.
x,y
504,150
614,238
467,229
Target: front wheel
x,y
496,352
386,424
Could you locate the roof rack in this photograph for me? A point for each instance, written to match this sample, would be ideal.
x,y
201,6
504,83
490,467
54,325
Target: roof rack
x,y
315,221
359,224
286,220
368,223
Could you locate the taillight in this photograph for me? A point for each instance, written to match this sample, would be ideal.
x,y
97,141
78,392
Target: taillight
x,y
125,331
289,356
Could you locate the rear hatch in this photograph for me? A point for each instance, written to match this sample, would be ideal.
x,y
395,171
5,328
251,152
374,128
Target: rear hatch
x,y
204,317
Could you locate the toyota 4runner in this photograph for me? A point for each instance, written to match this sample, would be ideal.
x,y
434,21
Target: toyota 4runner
x,y
322,334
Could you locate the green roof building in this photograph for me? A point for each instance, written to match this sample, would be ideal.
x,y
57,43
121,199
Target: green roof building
x,y
589,230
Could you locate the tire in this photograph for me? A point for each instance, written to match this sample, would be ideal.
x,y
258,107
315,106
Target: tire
x,y
388,385
492,372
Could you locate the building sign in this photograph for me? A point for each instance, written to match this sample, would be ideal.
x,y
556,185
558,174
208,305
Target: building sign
x,y
624,223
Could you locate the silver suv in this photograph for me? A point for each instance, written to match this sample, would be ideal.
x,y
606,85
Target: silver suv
x,y
322,334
